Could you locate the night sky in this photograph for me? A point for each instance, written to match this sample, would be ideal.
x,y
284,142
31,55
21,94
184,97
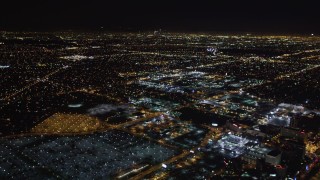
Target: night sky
x,y
139,15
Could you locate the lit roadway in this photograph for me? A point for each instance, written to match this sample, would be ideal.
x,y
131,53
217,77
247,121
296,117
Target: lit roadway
x,y
148,116
175,158
165,54
28,86
284,76
297,72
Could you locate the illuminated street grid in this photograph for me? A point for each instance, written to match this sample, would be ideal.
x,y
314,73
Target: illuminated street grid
x,y
162,105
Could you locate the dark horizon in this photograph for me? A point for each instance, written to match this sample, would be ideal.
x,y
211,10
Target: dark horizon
x,y
205,16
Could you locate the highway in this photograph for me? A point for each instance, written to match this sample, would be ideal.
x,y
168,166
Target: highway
x,y
174,159
28,86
